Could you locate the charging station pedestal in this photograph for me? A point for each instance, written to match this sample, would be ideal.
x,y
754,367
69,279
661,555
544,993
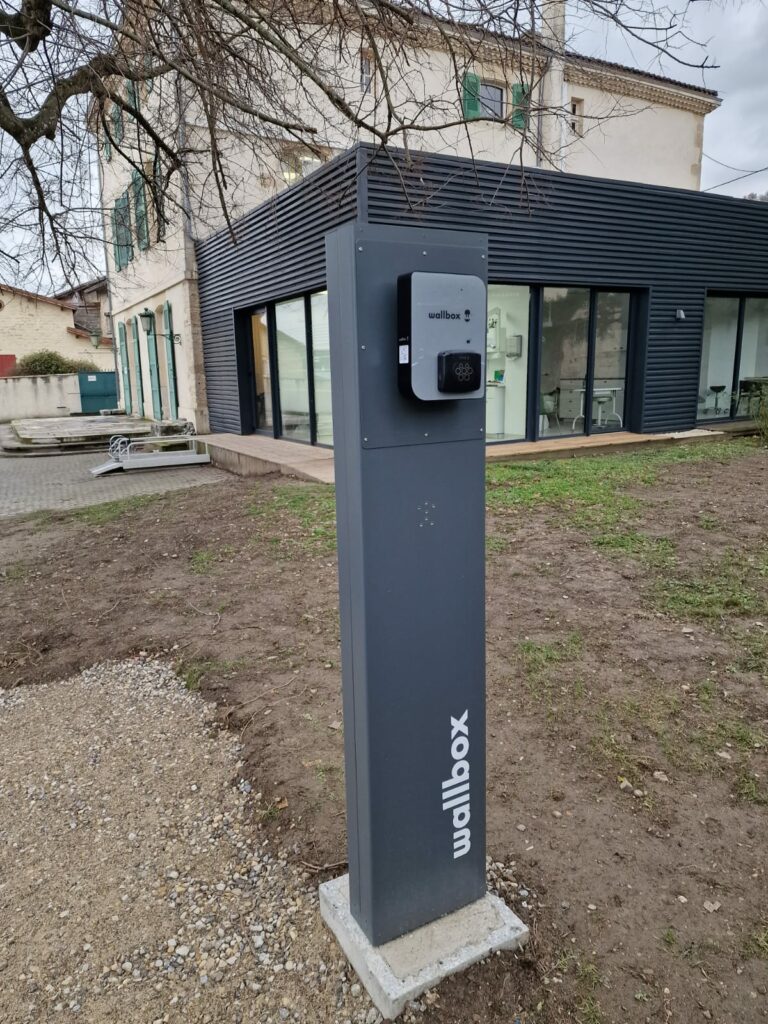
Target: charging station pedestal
x,y
407,318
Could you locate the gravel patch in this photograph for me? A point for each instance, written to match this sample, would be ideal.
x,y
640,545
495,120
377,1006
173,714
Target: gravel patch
x,y
135,884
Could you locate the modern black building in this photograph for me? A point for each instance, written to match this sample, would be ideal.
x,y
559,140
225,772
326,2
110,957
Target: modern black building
x,y
611,305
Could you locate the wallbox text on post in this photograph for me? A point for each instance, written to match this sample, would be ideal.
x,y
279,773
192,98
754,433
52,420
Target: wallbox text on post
x,y
455,790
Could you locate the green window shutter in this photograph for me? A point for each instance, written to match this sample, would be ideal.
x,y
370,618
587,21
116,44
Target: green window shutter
x,y
125,369
521,106
154,373
132,94
159,201
137,361
471,96
106,146
149,83
170,361
117,123
123,233
115,241
140,209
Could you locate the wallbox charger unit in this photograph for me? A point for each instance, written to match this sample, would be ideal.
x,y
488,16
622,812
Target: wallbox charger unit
x,y
441,328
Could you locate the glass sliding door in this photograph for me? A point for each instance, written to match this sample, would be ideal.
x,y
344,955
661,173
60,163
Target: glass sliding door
x,y
507,362
564,361
610,361
292,369
721,331
753,357
583,360
321,365
262,376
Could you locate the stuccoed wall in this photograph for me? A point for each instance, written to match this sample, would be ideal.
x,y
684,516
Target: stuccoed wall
x,y
53,395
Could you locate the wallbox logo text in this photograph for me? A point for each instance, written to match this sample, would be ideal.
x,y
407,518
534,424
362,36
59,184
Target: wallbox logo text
x,y
445,314
455,790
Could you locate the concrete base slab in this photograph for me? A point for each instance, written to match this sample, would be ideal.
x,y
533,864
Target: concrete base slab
x,y
77,430
256,455
402,969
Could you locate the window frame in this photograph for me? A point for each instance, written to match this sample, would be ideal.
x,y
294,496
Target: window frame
x,y
742,298
576,116
629,410
367,78
301,157
485,110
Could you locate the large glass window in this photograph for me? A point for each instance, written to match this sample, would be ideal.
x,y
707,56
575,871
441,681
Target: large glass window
x,y
291,331
262,378
721,325
611,344
564,355
753,362
507,362
321,366
584,349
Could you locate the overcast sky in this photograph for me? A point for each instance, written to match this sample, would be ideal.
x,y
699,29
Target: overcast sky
x,y
736,37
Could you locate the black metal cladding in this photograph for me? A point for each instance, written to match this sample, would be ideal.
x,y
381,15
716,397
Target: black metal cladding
x,y
280,252
551,228
544,228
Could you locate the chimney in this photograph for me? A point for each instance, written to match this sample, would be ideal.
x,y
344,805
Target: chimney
x,y
552,116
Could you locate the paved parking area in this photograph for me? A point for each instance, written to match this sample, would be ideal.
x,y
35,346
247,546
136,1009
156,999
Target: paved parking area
x,y
38,483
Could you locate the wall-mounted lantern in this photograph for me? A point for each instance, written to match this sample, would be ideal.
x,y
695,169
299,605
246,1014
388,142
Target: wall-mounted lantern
x,y
147,318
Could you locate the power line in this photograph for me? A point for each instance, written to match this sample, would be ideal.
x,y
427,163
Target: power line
x,y
729,166
741,177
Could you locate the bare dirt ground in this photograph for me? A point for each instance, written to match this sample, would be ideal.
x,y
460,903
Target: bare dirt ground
x,y
627,696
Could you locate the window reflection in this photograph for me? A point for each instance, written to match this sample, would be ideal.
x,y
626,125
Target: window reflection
x,y
292,369
753,365
262,378
611,343
507,362
321,365
564,350
721,324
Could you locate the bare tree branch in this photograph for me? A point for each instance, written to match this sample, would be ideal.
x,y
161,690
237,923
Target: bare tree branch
x,y
203,99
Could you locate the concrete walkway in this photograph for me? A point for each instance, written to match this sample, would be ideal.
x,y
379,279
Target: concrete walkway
x,y
62,481
256,455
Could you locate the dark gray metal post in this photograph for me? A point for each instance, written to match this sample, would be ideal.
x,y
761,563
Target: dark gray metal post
x,y
410,512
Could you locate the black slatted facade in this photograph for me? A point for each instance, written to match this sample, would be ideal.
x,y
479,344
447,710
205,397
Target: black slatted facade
x,y
280,252
546,228
551,228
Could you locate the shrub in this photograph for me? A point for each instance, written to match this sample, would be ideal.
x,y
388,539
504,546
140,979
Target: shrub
x,y
46,362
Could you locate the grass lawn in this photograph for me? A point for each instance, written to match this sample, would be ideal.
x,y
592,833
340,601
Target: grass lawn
x,y
627,641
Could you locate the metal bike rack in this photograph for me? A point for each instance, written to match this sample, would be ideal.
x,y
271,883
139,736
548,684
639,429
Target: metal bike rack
x,y
152,453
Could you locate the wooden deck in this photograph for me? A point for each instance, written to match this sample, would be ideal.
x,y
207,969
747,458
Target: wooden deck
x,y
255,455
571,447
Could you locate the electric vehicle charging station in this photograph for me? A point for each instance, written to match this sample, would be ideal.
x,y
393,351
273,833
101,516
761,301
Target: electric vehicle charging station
x,y
407,317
